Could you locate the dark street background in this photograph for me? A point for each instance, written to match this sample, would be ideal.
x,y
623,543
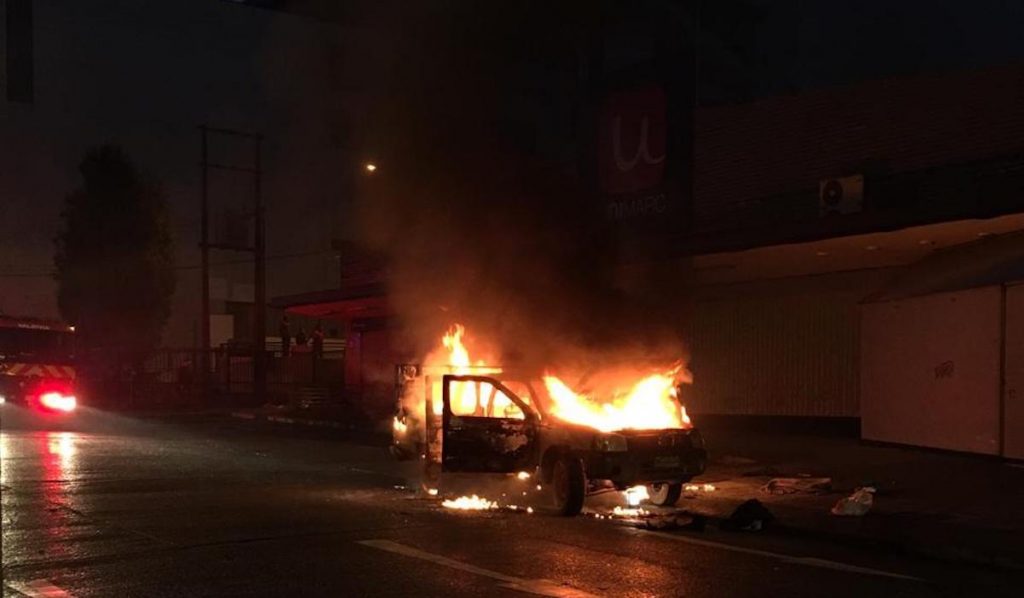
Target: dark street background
x,y
204,506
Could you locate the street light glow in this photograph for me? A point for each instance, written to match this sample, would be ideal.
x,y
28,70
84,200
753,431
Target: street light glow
x,y
370,167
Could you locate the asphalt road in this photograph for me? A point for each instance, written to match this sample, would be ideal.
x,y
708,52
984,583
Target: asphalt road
x,y
207,507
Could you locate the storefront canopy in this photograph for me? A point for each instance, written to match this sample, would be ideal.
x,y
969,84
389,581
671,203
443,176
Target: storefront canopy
x,y
365,301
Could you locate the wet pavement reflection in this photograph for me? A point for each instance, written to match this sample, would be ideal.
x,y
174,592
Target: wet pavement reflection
x,y
137,508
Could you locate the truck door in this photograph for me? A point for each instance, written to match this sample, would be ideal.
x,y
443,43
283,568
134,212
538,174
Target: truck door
x,y
487,428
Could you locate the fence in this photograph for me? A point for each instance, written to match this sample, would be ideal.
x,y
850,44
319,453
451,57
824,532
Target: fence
x,y
173,378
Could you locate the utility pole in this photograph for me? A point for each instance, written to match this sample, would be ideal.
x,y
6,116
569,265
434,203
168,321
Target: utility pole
x,y
204,246
259,361
258,249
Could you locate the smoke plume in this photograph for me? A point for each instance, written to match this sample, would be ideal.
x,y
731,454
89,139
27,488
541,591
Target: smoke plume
x,y
480,231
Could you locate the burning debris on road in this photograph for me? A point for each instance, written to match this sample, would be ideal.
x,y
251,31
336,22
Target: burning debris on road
x,y
629,512
692,490
469,503
636,495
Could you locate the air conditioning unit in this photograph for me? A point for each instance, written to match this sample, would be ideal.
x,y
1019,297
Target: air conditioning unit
x,y
838,196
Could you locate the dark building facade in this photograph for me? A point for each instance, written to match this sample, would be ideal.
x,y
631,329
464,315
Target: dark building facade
x,y
776,268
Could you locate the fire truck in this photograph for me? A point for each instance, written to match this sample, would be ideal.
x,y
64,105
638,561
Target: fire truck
x,y
37,364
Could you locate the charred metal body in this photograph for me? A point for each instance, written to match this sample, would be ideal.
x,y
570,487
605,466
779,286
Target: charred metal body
x,y
571,458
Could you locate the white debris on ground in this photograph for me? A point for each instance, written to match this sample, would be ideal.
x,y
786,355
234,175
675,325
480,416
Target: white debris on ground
x,y
857,504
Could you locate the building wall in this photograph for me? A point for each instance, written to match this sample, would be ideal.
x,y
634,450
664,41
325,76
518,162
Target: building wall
x,y
783,347
145,74
1013,373
930,371
788,143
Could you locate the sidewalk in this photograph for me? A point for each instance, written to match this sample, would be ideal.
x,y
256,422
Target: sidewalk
x,y
947,506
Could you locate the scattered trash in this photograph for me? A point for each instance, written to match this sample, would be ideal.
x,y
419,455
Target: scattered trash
x,y
804,485
855,505
751,516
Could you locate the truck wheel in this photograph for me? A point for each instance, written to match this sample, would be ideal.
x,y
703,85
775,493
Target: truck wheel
x,y
569,486
664,495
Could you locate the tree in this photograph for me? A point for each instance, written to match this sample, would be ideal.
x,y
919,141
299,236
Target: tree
x,y
114,258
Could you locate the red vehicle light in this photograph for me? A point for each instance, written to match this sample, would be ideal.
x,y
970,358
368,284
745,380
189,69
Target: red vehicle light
x,y
56,401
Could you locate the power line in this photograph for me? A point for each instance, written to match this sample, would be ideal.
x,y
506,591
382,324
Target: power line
x,y
277,257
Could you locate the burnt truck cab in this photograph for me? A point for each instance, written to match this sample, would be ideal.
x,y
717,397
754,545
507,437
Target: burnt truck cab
x,y
513,433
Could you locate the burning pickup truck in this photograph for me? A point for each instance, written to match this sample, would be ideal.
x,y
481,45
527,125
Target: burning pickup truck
x,y
481,419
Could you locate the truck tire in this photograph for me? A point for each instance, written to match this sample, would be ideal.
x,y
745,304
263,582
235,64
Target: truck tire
x,y
569,486
664,495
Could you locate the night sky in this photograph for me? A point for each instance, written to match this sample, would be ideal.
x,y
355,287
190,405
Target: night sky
x,y
748,49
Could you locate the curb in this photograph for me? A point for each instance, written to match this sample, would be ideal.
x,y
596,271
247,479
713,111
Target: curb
x,y
295,421
348,432
316,423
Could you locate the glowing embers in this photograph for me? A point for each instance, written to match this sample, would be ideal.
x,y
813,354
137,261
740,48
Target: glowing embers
x,y
469,503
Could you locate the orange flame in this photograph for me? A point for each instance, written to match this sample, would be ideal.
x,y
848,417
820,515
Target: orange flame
x,y
631,402
470,503
467,397
650,403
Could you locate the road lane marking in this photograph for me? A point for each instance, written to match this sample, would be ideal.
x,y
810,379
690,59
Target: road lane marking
x,y
40,588
806,561
541,587
827,564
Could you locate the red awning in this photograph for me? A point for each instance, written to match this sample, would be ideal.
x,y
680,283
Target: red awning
x,y
369,307
366,301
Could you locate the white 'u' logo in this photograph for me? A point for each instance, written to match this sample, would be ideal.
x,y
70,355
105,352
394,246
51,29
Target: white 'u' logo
x,y
642,151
